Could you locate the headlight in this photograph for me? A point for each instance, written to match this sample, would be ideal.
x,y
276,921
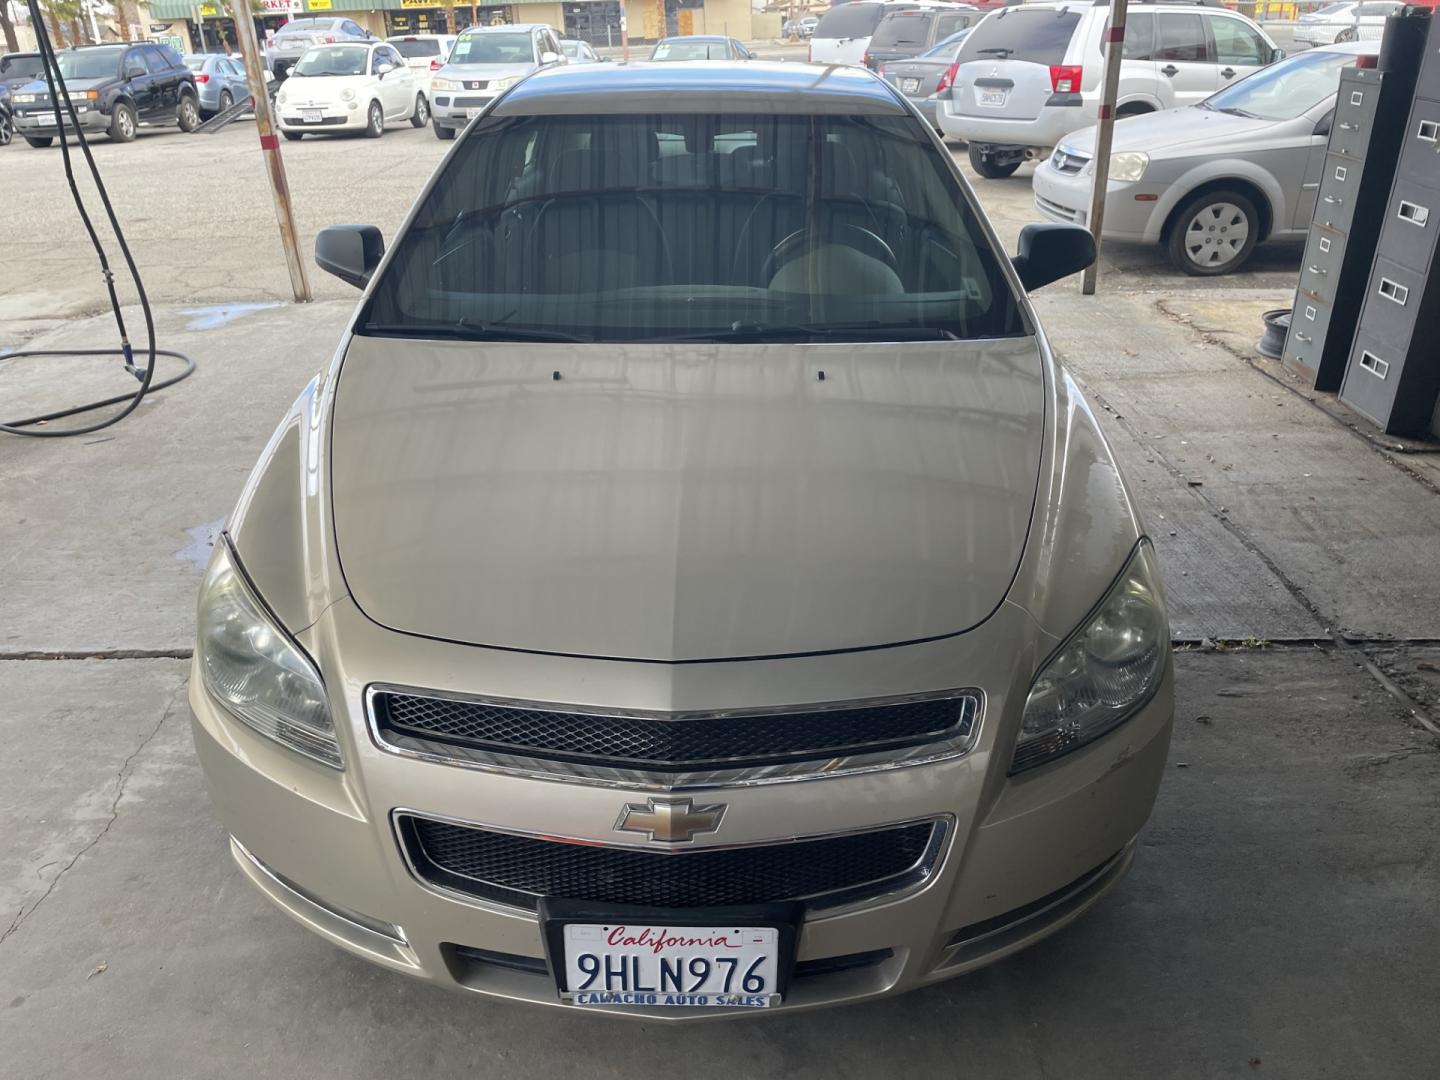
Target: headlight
x,y
438,83
505,84
251,666
280,98
347,95
1128,167
1109,668
24,99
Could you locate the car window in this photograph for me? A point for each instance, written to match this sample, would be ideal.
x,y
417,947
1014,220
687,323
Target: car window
x,y
581,226
497,48
353,29
1377,9
853,20
155,60
1036,35
570,48
1182,37
1285,90
89,63
417,48
195,63
690,50
1139,36
1237,43
1334,9
903,29
21,65
299,26
324,60
947,23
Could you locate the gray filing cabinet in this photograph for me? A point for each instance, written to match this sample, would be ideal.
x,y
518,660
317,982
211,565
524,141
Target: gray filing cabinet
x,y
1393,370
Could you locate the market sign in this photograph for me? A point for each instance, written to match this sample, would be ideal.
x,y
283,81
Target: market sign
x,y
209,11
317,5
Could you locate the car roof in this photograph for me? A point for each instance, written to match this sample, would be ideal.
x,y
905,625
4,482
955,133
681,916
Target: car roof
x,y
702,86
1359,48
692,37
507,28
418,37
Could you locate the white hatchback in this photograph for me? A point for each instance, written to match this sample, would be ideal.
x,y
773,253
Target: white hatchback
x,y
349,87
424,54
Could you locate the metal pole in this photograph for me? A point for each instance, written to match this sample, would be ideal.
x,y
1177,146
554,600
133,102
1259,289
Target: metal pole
x,y
270,146
199,25
624,35
1104,134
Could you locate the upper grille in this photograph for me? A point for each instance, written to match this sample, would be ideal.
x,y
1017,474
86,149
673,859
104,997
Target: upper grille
x,y
666,744
1067,162
519,870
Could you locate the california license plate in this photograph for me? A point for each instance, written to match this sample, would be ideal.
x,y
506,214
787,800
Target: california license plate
x,y
909,86
677,966
993,99
312,116
470,114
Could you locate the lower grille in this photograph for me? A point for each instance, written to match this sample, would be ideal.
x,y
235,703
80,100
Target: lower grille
x,y
471,102
1055,210
519,870
672,742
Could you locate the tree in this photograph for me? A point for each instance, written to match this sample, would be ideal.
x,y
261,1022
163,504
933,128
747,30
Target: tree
x,y
7,24
122,19
58,13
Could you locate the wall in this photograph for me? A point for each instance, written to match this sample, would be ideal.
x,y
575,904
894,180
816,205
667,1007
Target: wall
x,y
766,26
726,17
550,14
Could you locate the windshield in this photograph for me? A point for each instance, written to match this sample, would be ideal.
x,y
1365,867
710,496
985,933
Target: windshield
x,y
906,28
1285,90
89,63
851,20
195,63
1038,35
1334,9
333,60
303,26
26,66
570,48
494,49
690,50
416,48
722,227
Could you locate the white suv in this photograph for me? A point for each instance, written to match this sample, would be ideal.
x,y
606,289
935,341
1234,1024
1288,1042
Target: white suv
x,y
1029,75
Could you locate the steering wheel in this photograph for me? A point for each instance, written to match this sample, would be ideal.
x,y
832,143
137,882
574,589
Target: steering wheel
x,y
853,236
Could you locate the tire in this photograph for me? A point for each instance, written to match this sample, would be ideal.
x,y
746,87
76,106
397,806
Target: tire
x,y
1213,233
7,128
443,133
293,136
421,116
122,123
187,113
1348,34
375,121
227,100
39,141
989,169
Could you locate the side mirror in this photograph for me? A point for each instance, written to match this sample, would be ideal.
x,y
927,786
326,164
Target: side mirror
x,y
350,252
134,71
1050,252
1325,123
549,58
1276,55
382,69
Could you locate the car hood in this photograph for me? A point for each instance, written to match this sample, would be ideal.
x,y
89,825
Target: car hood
x,y
684,502
40,86
302,88
1179,130
487,72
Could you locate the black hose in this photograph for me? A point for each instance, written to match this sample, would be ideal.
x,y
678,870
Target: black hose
x,y
29,426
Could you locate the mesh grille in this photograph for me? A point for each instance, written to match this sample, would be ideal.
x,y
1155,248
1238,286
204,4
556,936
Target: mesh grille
x,y
673,745
519,869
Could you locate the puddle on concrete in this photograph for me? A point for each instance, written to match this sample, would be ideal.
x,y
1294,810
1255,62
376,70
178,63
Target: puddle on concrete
x,y
217,315
202,542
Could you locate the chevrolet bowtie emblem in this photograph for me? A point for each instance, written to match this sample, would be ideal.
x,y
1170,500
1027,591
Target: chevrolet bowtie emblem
x,y
670,821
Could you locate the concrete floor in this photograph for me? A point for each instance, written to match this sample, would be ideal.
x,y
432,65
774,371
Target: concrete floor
x,y
1280,920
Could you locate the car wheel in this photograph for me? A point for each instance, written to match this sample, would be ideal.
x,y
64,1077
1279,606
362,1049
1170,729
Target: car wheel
x,y
1132,110
375,122
293,136
39,141
990,170
227,100
421,116
122,123
443,133
1214,233
188,113
1348,34
7,129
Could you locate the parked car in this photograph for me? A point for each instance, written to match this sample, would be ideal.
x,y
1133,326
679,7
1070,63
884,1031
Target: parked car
x,y
424,55
1211,181
903,34
296,36
1030,75
19,68
925,78
219,80
116,89
843,33
578,52
348,87
717,553
486,61
802,27
1345,22
700,47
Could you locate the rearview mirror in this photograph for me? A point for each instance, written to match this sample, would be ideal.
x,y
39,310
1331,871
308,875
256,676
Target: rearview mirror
x,y
350,252
1050,252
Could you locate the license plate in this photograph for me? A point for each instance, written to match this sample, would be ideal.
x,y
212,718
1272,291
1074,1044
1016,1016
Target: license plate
x,y
312,116
909,86
993,99
677,966
470,114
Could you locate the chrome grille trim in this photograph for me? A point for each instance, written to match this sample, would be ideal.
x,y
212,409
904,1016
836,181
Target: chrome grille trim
x,y
646,780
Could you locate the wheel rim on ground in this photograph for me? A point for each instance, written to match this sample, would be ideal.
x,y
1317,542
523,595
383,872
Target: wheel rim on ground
x,y
377,118
126,125
226,100
1216,234
189,113
6,132
422,109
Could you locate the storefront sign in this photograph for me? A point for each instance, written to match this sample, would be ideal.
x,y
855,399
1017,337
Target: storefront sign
x,y
418,3
209,11
317,5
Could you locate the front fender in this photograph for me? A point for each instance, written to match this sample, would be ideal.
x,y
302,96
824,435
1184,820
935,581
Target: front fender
x,y
1207,171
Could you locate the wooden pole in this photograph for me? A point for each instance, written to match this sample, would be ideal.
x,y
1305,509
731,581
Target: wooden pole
x,y
1104,134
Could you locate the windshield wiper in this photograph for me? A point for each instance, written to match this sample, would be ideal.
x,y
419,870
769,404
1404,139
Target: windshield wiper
x,y
467,330
759,332
998,50
1233,111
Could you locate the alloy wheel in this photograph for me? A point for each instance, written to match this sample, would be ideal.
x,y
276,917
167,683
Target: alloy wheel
x,y
1216,235
7,129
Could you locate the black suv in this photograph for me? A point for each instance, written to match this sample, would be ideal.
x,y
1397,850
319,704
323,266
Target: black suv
x,y
115,89
16,69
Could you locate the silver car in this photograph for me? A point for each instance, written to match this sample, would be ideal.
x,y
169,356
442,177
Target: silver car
x,y
926,78
693,586
486,61
219,80
1213,180
297,35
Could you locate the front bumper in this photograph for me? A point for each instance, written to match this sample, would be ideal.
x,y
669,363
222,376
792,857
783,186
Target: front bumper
x,y
1065,198
1022,856
455,109
42,122
345,116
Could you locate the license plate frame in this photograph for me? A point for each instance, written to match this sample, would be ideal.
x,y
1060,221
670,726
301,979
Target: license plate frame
x,y
472,111
909,86
557,914
992,97
312,116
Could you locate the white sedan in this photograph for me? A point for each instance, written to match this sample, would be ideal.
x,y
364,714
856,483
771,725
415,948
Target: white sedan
x,y
350,86
1345,22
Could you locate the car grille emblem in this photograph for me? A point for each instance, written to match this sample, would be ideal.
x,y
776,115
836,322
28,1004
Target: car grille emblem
x,y
670,821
